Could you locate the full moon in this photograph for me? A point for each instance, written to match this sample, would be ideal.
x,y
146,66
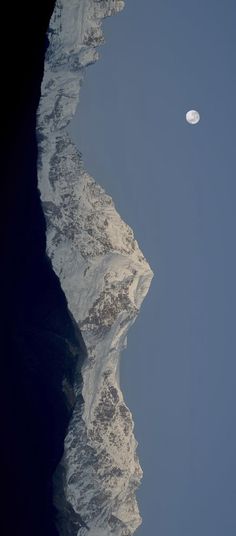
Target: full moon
x,y
192,117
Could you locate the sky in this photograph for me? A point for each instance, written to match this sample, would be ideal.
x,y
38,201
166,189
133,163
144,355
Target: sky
x,y
175,185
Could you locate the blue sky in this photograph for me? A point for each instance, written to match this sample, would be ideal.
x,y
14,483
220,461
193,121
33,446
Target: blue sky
x,y
175,185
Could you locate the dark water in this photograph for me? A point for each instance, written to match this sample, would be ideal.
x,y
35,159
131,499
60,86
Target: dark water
x,y
40,344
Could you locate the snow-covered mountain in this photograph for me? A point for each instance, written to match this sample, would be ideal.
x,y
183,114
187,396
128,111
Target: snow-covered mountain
x,y
105,278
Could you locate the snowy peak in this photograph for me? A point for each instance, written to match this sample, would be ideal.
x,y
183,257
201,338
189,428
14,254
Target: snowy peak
x,y
105,278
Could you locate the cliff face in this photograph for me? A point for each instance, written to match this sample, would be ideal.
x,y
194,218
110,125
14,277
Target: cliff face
x,y
105,279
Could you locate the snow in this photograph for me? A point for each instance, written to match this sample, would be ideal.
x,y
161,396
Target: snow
x,y
105,278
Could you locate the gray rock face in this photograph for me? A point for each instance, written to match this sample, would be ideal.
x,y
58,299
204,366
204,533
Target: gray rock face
x,y
105,278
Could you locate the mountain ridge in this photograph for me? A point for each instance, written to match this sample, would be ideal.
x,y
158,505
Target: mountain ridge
x,y
105,278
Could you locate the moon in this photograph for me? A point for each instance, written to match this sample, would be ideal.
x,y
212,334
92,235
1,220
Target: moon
x,y
192,117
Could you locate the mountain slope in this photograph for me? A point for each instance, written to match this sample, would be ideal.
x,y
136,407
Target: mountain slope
x,y
105,278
